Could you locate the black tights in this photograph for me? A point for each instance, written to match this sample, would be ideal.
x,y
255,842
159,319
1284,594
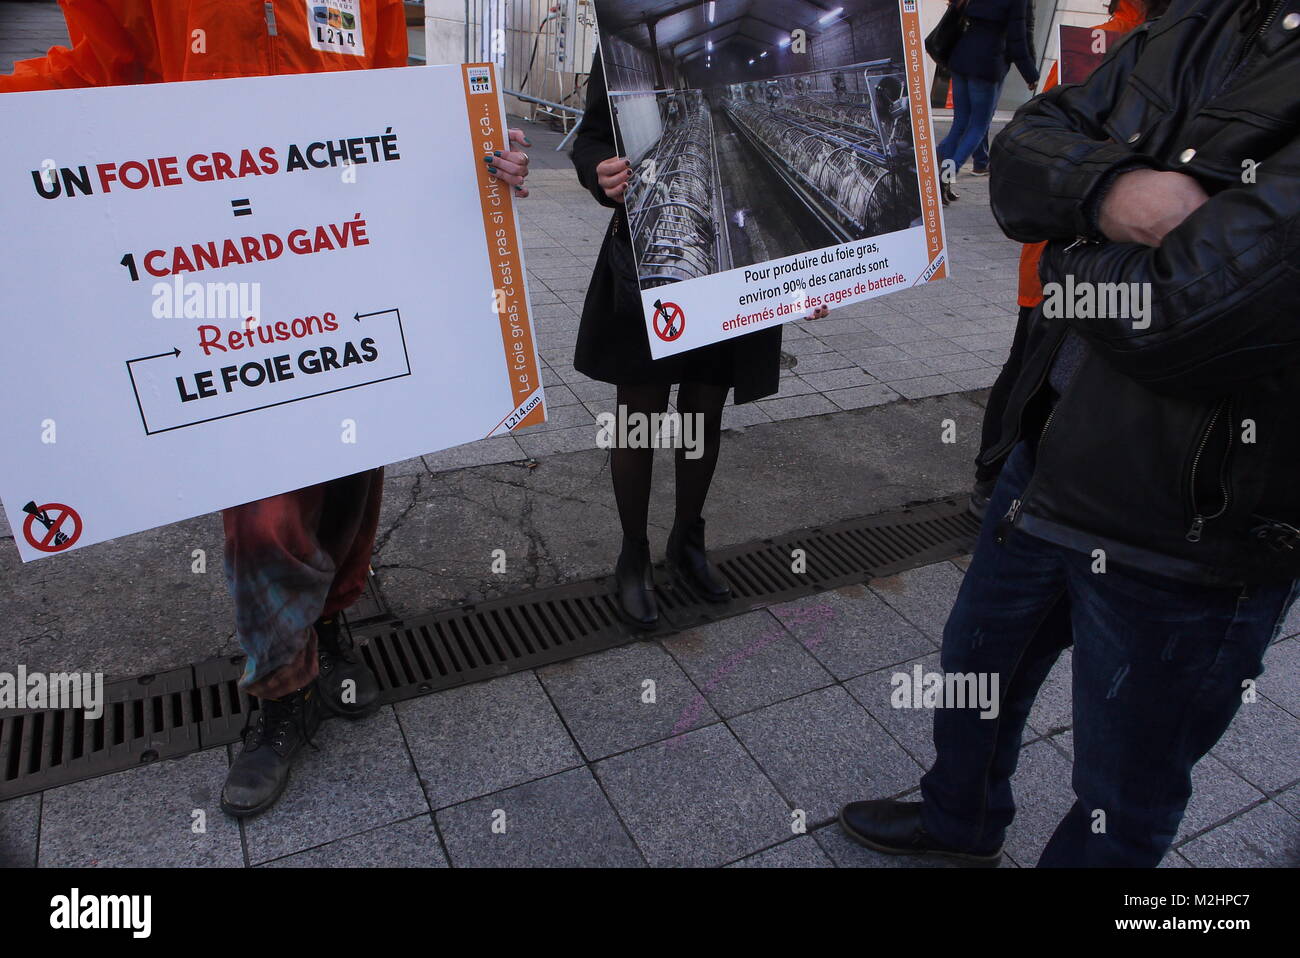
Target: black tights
x,y
632,468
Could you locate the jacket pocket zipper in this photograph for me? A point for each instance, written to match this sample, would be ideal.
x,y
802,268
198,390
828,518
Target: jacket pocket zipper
x,y
1198,518
1007,522
1246,55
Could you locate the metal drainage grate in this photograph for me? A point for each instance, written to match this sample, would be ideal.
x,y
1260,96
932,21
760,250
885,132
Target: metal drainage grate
x,y
146,718
174,713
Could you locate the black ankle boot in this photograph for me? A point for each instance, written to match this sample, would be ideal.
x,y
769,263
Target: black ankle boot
x,y
688,560
272,742
635,584
347,686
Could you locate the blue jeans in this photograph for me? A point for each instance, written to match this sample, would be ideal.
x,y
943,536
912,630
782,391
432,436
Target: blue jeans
x,y
973,104
1157,677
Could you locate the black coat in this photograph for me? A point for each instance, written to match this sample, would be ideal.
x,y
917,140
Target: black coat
x,y
998,34
612,340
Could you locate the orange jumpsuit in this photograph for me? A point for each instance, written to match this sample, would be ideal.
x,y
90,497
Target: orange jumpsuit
x,y
293,558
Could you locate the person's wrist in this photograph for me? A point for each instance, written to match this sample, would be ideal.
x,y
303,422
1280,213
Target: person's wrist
x,y
1092,204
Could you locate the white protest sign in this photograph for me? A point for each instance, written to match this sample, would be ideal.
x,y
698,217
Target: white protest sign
x,y
222,290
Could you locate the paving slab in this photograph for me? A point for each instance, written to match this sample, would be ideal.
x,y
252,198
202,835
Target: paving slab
x,y
851,631
358,777
811,363
1280,680
859,397
1262,745
407,844
923,596
745,662
801,852
1291,623
922,386
1043,794
20,825
695,800
1218,793
823,749
1052,711
1267,836
481,738
796,407
912,728
608,706
145,816
563,821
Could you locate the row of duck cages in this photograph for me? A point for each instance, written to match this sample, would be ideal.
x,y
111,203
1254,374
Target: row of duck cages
x,y
674,199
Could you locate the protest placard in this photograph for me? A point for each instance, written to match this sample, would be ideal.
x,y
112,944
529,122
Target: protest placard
x,y
218,291
782,161
1082,50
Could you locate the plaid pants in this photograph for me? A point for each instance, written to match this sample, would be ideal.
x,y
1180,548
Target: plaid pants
x,y
290,560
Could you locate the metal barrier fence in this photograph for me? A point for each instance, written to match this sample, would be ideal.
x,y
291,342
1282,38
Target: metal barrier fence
x,y
542,49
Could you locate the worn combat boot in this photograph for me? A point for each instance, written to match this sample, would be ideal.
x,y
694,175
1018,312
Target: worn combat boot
x,y
347,686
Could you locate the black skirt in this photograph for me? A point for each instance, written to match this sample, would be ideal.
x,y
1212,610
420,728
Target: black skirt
x,y
613,344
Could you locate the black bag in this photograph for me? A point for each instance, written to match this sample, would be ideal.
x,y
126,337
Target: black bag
x,y
943,38
621,263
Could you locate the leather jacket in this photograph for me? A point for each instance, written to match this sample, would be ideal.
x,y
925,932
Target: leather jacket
x,y
1175,445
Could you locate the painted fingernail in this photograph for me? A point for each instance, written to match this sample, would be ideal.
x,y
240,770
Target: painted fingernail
x,y
492,170
487,159
496,152
526,141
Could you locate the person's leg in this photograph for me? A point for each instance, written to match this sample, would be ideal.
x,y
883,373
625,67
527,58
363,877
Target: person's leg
x,y
694,472
349,520
279,576
290,558
348,524
983,102
1160,669
961,108
1010,623
632,471
703,403
1010,620
980,158
961,111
